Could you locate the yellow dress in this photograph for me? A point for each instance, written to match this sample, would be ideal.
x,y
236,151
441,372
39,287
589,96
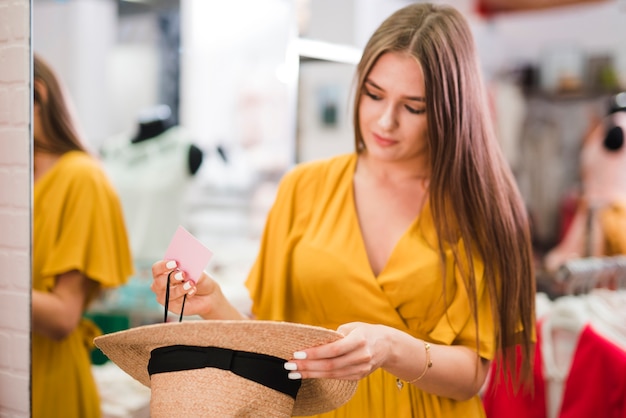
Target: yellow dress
x,y
77,225
613,222
312,268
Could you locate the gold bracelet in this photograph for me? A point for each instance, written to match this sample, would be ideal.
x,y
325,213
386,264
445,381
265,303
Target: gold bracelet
x,y
428,365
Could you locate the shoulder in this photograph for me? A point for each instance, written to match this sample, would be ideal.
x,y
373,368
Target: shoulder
x,y
78,160
304,183
84,171
315,172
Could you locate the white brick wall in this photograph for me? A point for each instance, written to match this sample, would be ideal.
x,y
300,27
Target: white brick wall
x,y
15,201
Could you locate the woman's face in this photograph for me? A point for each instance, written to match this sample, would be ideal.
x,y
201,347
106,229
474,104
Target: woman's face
x,y
36,121
37,128
392,109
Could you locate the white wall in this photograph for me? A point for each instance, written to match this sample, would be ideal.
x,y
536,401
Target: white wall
x,y
503,39
133,72
512,38
15,200
77,37
234,87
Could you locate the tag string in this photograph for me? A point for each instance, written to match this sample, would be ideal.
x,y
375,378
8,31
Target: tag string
x,y
167,300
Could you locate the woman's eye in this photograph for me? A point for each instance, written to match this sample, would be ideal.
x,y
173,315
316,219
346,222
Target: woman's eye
x,y
415,111
371,95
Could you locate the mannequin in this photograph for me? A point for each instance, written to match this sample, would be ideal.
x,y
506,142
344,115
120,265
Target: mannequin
x,y
152,168
599,224
156,120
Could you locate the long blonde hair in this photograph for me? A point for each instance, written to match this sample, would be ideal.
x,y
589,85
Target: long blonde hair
x,y
472,192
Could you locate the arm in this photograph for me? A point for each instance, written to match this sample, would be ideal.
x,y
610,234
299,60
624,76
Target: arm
x,y
584,238
457,371
58,313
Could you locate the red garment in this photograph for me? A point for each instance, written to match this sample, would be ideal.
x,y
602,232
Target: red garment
x,y
595,386
482,9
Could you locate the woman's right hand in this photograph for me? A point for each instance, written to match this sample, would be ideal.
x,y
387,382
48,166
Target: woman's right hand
x,y
204,298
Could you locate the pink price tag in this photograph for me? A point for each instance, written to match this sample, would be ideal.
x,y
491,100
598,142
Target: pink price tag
x,y
189,253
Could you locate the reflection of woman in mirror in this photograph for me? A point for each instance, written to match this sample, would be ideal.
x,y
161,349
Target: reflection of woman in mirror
x,y
416,246
80,246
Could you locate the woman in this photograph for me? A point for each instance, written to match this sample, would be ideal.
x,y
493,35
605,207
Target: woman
x,y
79,247
416,247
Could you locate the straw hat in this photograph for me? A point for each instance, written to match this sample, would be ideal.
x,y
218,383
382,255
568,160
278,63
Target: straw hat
x,y
183,384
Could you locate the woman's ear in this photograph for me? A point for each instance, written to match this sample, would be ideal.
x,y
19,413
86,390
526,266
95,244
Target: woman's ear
x,y
40,91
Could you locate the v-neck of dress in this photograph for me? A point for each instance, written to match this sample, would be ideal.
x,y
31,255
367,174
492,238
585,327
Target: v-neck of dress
x,y
357,226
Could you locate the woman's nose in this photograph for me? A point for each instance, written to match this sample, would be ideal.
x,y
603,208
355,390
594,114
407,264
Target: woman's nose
x,y
388,118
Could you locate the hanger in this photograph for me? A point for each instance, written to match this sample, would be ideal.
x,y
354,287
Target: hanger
x,y
568,313
582,275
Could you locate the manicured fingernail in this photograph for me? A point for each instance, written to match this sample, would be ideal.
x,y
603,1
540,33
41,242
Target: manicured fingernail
x,y
187,285
191,292
299,355
291,366
171,264
294,376
179,276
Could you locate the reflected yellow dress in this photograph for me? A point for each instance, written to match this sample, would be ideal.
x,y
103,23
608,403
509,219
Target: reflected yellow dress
x,y
613,222
77,225
313,268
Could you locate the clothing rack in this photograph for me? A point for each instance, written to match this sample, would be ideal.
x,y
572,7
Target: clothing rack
x,y
580,276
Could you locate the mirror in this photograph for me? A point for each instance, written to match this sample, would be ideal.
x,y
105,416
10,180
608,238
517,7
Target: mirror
x,y
226,80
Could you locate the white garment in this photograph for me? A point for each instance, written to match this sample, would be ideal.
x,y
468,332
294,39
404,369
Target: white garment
x,y
152,178
560,331
603,309
607,310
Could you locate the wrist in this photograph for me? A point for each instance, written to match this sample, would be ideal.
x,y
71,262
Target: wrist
x,y
219,307
427,363
413,360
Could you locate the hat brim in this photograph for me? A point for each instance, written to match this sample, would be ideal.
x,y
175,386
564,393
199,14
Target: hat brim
x,y
130,350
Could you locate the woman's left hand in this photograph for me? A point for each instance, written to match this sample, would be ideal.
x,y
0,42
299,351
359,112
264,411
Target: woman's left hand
x,y
458,371
365,348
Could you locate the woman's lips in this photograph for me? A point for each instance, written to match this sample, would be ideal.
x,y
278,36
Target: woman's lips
x,y
383,142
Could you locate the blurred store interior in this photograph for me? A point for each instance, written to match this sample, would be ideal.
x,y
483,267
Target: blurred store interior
x,y
259,85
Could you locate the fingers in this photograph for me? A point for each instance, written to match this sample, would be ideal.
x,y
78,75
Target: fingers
x,y
343,359
179,286
350,366
163,267
364,348
337,348
346,329
297,371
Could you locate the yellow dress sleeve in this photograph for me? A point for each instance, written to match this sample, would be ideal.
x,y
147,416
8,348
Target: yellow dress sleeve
x,y
90,231
268,282
457,326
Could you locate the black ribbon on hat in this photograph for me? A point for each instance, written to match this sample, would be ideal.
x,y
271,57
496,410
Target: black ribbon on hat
x,y
264,369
